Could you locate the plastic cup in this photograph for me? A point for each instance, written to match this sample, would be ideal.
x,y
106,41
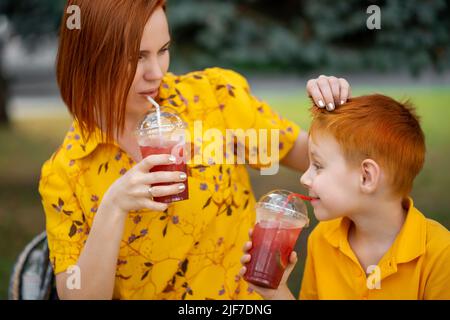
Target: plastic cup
x,y
280,218
164,133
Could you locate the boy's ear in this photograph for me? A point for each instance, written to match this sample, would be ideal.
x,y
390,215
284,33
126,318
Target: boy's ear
x,y
370,176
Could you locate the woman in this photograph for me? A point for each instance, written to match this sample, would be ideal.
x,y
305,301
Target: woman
x,y
97,190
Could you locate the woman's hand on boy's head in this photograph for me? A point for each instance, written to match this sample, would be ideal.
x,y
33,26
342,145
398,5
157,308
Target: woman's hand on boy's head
x,y
328,91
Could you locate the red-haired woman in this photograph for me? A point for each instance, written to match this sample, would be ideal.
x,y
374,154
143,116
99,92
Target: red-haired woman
x,y
102,223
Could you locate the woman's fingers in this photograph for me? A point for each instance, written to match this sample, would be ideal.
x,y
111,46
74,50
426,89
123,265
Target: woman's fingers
x,y
314,92
162,191
163,177
327,93
250,233
154,206
335,89
155,160
345,90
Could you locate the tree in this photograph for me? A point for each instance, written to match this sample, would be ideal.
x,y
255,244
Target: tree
x,y
301,35
272,35
30,19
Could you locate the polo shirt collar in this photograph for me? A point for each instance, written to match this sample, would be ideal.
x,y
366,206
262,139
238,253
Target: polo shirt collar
x,y
411,241
409,244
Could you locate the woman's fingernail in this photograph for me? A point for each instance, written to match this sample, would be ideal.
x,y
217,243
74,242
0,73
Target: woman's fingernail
x,y
183,176
321,104
330,106
181,187
172,159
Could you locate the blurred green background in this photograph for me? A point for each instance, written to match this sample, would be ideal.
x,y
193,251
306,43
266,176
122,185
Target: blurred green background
x,y
277,45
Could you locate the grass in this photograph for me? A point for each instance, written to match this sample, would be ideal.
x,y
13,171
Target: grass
x,y
25,147
28,143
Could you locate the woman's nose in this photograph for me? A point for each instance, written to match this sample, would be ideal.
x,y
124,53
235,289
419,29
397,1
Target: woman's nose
x,y
153,71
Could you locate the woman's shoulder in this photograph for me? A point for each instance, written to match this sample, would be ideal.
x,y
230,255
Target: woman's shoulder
x,y
62,159
214,76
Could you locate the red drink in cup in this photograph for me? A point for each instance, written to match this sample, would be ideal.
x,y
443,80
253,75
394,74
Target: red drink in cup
x,y
280,219
163,132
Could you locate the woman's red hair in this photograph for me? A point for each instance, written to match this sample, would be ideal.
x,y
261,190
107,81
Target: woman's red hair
x,y
380,128
96,64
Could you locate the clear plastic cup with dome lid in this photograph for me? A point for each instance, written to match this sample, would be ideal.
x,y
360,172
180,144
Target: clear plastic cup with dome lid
x,y
280,215
162,131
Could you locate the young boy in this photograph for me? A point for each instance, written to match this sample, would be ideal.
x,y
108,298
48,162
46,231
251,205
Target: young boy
x,y
371,243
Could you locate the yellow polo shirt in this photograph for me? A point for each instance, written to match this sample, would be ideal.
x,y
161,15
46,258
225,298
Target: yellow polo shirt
x,y
417,266
192,250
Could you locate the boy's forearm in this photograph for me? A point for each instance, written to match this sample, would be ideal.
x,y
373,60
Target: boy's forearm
x,y
282,293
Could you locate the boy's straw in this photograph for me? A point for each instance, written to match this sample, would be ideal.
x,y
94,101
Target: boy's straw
x,y
289,198
301,196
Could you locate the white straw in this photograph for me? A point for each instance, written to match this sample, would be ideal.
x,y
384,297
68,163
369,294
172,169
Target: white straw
x,y
158,113
153,102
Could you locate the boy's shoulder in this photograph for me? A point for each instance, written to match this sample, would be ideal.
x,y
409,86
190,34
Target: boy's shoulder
x,y
435,238
438,237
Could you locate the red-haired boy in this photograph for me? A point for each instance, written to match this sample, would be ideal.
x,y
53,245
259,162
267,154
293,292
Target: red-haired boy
x,y
371,243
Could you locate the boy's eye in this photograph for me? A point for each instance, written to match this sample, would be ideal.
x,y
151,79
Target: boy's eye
x,y
317,166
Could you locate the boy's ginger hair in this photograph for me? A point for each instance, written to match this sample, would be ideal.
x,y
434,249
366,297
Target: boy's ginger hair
x,y
380,128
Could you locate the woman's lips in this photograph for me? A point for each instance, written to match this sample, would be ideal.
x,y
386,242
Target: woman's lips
x,y
152,93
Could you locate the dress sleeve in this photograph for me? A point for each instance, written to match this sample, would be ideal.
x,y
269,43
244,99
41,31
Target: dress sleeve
x,y
273,137
66,225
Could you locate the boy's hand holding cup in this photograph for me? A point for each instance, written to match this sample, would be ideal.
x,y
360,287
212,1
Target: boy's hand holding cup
x,y
269,258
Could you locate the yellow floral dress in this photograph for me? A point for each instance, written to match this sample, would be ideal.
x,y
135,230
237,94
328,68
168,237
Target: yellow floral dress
x,y
192,250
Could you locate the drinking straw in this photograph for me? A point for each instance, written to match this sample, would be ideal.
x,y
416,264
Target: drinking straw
x,y
158,113
289,198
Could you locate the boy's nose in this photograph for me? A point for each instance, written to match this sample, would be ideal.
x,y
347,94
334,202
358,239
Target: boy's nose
x,y
305,180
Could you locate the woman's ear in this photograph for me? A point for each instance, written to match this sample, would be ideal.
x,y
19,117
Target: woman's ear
x,y
370,176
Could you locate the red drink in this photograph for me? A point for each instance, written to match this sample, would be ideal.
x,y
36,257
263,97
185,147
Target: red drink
x,y
162,131
273,242
280,215
176,150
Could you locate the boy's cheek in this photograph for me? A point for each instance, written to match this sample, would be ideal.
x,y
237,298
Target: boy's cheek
x,y
322,215
326,210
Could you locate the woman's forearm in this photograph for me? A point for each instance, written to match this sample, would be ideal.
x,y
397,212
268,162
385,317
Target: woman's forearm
x,y
297,158
98,260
